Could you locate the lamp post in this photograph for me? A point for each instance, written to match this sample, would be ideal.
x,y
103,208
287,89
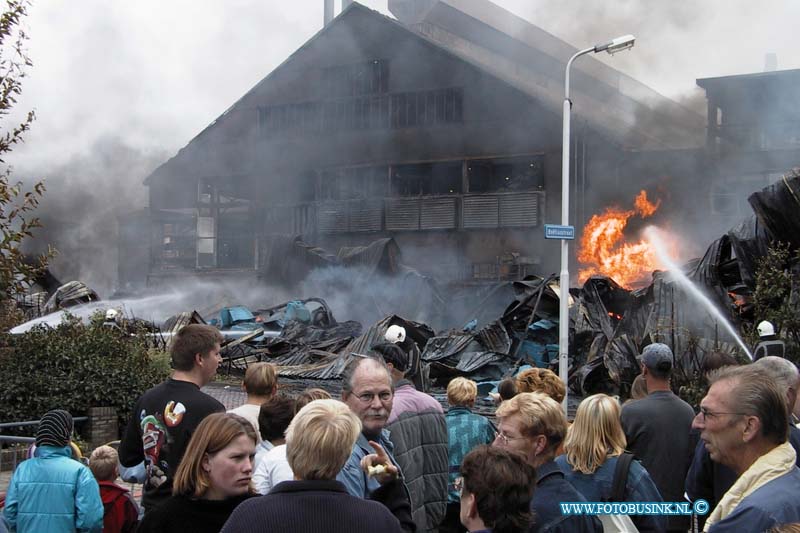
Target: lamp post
x,y
615,45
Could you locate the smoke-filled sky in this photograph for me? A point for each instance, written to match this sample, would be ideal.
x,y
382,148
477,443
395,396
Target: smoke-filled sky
x,y
152,74
119,87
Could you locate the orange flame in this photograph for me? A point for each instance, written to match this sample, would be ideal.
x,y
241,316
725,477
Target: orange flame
x,y
603,249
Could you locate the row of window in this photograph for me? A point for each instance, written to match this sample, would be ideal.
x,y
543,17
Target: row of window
x,y
489,175
391,111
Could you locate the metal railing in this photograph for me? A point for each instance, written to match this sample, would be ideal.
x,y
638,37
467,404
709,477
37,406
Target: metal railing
x,y
16,451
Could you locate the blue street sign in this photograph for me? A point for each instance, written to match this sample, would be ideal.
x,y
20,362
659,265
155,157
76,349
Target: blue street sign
x,y
554,231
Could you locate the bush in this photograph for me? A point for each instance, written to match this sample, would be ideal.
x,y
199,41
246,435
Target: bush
x,y
777,297
74,367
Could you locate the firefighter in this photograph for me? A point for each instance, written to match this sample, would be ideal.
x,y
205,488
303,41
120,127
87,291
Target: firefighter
x,y
769,343
112,319
415,373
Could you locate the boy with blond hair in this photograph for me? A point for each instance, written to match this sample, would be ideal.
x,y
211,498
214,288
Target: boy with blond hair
x,y
260,383
121,512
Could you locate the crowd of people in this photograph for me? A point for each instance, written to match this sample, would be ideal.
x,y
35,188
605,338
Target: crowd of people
x,y
386,456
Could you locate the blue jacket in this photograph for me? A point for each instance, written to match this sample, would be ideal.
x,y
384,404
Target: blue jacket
x,y
52,492
465,431
551,490
354,479
596,487
771,505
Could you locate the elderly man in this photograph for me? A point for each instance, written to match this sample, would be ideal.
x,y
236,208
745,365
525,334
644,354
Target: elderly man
x,y
743,423
709,480
533,424
367,390
657,429
419,435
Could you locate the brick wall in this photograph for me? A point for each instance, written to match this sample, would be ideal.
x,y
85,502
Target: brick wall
x,y
103,426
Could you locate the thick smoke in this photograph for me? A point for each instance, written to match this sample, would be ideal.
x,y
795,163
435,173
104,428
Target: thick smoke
x,y
79,211
172,75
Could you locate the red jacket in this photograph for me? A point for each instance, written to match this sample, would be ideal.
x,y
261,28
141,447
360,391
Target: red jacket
x,y
121,512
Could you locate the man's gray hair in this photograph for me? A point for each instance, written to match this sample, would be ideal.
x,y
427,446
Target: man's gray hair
x,y
783,371
357,360
754,393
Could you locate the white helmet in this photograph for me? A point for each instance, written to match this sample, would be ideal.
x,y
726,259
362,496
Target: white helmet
x,y
112,314
395,334
765,328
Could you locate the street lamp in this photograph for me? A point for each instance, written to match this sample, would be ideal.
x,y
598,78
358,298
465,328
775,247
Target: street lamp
x,y
613,46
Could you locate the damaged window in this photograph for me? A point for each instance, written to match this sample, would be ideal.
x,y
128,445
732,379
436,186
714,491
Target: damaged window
x,y
427,108
401,110
426,179
177,240
353,183
506,175
236,239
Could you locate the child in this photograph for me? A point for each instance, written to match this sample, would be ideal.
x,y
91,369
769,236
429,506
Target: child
x,y
121,512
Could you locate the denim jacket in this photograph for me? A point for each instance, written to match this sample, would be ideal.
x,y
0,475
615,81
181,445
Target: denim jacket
x,y
352,476
596,487
551,490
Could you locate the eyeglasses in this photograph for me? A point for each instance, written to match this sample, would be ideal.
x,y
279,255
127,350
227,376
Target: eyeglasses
x,y
367,397
705,413
458,484
505,438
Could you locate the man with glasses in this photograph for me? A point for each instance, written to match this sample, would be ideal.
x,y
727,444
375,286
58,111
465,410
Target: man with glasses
x,y
368,391
534,425
419,434
744,425
710,480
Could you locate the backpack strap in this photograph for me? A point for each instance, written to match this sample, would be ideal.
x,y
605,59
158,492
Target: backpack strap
x,y
621,476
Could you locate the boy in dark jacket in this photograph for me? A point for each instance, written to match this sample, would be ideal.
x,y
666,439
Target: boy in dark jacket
x,y
121,512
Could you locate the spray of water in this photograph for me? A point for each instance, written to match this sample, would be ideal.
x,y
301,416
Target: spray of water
x,y
652,234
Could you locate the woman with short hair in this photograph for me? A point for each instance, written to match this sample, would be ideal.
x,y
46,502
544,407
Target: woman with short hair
x,y
542,380
319,441
592,448
212,478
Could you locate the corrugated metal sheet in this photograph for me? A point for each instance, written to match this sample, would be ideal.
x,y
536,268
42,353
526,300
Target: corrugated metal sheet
x,y
480,211
328,369
438,213
402,214
494,338
332,217
365,215
471,361
374,335
520,209
443,347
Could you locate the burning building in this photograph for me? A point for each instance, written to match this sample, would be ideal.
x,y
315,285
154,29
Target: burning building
x,y
440,128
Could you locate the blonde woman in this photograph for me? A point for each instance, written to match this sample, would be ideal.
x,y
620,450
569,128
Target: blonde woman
x,y
593,445
212,479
